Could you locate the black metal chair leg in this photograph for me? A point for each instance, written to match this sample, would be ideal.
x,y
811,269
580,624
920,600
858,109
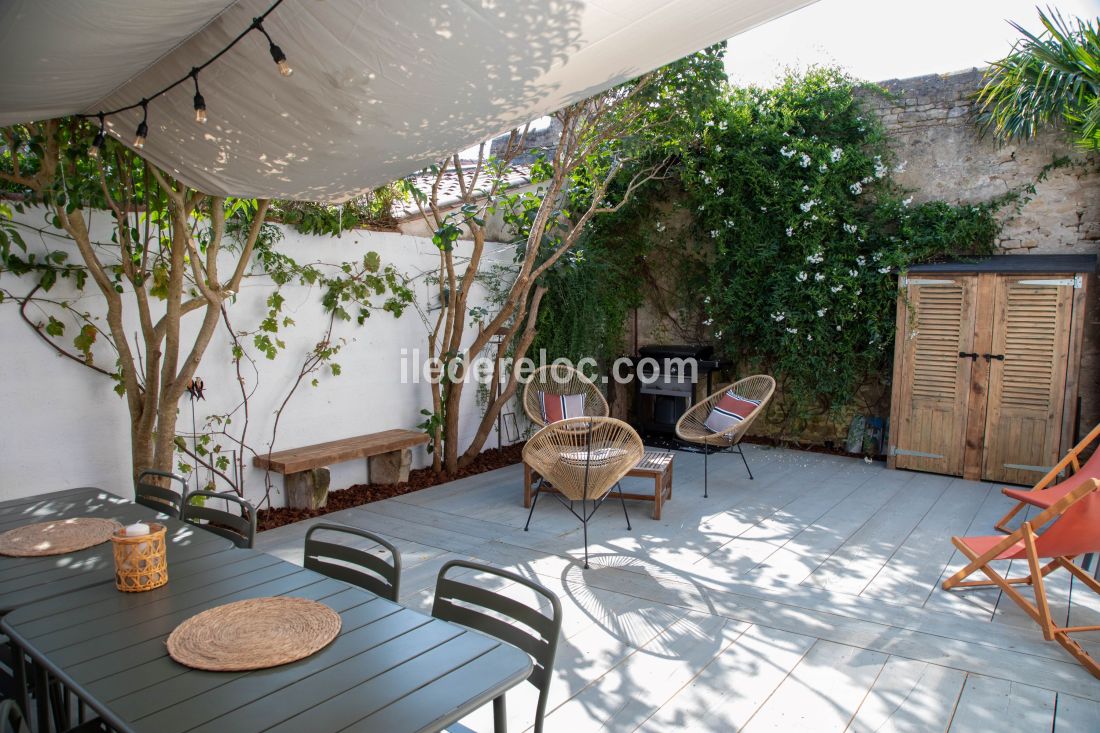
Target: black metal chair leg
x,y
746,461
706,452
534,500
584,523
500,715
622,501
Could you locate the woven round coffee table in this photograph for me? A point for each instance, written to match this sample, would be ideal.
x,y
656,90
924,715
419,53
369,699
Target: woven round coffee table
x,y
57,537
254,634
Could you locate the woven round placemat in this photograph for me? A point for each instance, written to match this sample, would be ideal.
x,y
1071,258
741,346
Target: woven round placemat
x,y
253,634
56,537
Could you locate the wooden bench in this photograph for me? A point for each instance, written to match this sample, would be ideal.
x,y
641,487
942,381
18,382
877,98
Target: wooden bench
x,y
388,454
656,465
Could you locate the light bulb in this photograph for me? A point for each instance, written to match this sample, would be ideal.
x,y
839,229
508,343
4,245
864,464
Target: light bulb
x,y
140,135
97,144
200,109
279,58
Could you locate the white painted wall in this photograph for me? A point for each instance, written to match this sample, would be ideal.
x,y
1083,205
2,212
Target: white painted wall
x,y
64,426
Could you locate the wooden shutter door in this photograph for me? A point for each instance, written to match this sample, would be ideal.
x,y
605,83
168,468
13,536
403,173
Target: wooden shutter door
x,y
1031,330
933,382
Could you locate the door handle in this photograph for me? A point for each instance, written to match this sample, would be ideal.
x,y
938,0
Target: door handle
x,y
972,355
991,357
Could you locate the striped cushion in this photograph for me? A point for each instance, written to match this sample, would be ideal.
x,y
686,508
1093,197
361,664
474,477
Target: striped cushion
x,y
598,457
560,406
731,409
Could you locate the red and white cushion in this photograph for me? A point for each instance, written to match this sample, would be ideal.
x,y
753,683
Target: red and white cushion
x,y
560,406
731,409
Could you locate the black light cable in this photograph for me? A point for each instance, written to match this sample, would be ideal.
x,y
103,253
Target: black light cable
x,y
277,54
142,132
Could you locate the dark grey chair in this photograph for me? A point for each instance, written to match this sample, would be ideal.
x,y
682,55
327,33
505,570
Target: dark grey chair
x,y
352,565
160,498
239,528
541,645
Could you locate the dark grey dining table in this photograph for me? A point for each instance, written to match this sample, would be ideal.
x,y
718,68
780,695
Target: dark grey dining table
x,y
26,580
390,668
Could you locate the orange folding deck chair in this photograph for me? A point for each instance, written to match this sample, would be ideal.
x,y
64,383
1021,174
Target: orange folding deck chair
x,y
1046,492
1074,530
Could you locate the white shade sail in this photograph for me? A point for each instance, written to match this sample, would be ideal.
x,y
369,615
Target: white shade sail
x,y
379,88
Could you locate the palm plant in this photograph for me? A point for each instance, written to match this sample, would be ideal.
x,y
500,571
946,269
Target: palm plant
x,y
1048,78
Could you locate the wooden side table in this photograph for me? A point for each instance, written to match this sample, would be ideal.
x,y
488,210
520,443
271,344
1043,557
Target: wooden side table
x,y
656,465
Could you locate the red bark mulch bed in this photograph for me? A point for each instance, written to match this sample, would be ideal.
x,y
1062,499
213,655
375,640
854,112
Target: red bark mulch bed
x,y
421,478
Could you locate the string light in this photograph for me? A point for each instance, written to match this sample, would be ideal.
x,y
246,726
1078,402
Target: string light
x,y
143,128
277,54
100,138
142,132
200,103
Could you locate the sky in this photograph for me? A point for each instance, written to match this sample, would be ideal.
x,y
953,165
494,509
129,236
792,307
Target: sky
x,y
876,40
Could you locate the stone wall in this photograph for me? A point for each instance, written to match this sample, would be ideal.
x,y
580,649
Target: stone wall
x,y
930,126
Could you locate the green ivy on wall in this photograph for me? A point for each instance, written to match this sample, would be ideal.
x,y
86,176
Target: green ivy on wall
x,y
791,235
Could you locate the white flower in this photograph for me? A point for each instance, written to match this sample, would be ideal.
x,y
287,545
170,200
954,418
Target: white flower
x,y
876,256
660,226
821,312
710,123
805,188
859,291
836,288
880,170
856,188
806,224
718,335
801,277
779,316
718,148
809,337
850,228
900,167
835,153
838,328
722,125
706,179
853,273
714,234
706,300
728,223
861,260
792,330
700,207
907,201
883,270
708,322
786,134
719,191
764,208
865,180
823,167
805,161
819,276
815,258
790,232
807,205
786,152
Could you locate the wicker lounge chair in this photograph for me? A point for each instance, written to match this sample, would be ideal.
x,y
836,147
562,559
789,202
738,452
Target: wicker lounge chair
x,y
692,426
583,459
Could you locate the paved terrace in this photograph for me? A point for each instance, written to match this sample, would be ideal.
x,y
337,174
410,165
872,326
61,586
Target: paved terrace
x,y
806,600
